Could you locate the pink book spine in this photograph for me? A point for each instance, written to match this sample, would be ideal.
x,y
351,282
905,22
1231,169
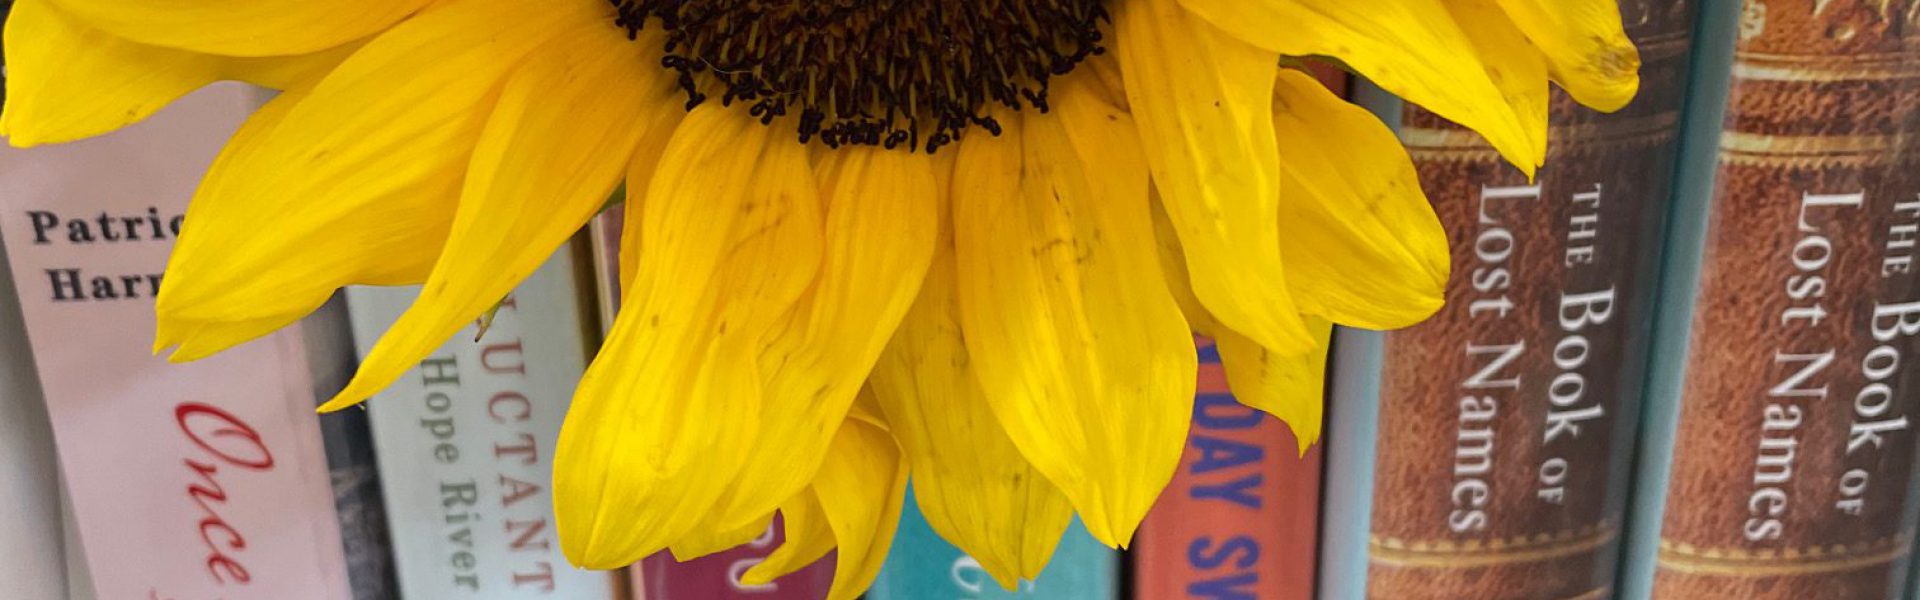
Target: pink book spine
x,y
199,480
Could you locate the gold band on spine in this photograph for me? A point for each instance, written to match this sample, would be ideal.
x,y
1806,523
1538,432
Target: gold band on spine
x,y
1444,140
1889,66
1431,144
1475,553
1665,47
1752,149
1681,557
1650,130
1599,593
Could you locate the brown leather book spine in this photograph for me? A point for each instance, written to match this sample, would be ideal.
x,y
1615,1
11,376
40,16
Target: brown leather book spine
x,y
1506,420
1794,451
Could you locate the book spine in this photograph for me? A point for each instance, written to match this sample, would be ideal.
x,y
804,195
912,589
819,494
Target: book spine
x,y
1352,427
715,576
73,557
197,480
1912,588
31,535
1353,411
465,443
603,240
351,464
921,564
1508,417
1239,519
1791,454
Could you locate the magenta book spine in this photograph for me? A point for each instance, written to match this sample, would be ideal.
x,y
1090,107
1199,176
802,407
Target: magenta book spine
x,y
717,576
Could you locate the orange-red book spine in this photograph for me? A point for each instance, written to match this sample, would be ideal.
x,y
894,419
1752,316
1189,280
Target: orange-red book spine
x,y
1240,519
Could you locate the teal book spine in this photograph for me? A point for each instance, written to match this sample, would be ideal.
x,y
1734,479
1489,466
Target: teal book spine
x,y
922,566
1353,427
1686,235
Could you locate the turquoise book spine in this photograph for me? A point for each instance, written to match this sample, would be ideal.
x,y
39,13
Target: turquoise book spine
x,y
1673,322
1352,432
922,566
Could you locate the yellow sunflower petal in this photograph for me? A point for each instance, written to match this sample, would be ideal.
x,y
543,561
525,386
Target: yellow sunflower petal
x,y
1173,263
1105,69
880,228
1584,42
288,72
709,535
730,240
613,501
1287,387
1412,48
861,487
554,149
1363,245
975,488
808,537
866,408
646,159
356,182
66,80
1081,351
1158,345
1511,62
1203,101
201,340
244,27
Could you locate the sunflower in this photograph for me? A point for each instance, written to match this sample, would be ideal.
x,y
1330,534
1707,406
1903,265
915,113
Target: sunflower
x,y
965,242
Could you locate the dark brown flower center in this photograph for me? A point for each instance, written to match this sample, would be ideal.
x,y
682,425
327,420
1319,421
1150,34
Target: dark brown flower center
x,y
913,73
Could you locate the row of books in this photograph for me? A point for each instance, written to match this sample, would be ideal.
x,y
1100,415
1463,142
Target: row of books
x,y
1679,363
1673,365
